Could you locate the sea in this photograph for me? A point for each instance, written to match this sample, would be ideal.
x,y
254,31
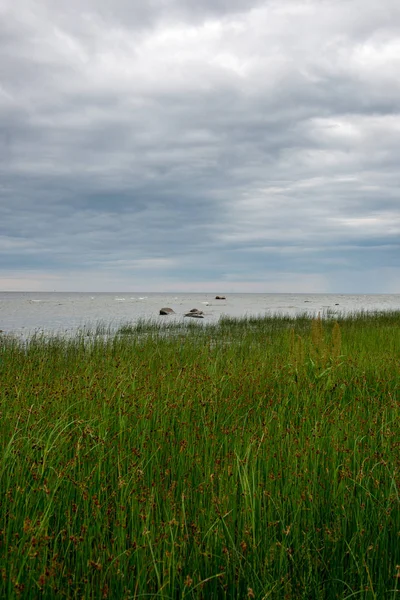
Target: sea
x,y
57,313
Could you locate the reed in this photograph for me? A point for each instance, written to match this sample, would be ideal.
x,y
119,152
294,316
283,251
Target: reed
x,y
256,458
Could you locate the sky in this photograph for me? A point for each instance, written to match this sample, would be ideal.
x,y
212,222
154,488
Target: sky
x,y
200,145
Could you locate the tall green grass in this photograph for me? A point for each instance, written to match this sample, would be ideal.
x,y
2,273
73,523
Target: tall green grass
x,y
256,458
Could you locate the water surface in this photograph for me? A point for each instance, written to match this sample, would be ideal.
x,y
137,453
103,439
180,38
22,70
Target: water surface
x,y
56,312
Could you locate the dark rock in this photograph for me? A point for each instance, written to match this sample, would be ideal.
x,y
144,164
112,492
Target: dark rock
x,y
220,297
166,311
196,310
196,315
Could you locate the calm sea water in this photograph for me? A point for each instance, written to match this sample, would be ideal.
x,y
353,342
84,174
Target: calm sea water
x,y
26,312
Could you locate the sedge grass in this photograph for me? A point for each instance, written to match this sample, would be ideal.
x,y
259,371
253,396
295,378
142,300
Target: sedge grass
x,y
256,458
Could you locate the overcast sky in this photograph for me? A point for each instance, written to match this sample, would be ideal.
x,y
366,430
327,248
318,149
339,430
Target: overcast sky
x,y
200,145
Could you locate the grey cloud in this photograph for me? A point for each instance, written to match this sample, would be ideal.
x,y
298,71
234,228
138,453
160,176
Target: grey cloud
x,y
139,14
145,133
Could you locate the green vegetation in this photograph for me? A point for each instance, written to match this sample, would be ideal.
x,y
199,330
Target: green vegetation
x,y
256,458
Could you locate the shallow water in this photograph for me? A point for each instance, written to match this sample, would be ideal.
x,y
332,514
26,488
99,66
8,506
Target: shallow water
x,y
23,313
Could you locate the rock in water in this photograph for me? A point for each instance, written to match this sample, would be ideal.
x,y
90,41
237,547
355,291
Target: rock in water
x,y
196,310
196,315
166,311
220,297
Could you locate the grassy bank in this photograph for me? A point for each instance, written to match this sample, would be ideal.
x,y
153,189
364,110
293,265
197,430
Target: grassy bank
x,y
258,458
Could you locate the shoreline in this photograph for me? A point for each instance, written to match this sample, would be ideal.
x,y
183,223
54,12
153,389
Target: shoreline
x,y
58,312
176,323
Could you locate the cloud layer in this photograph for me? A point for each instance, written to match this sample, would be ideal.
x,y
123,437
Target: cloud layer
x,y
201,145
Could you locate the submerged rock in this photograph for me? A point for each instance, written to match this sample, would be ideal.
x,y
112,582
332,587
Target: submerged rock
x,y
220,297
166,311
197,314
196,310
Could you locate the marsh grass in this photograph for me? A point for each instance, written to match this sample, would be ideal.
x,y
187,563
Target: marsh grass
x,y
256,458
